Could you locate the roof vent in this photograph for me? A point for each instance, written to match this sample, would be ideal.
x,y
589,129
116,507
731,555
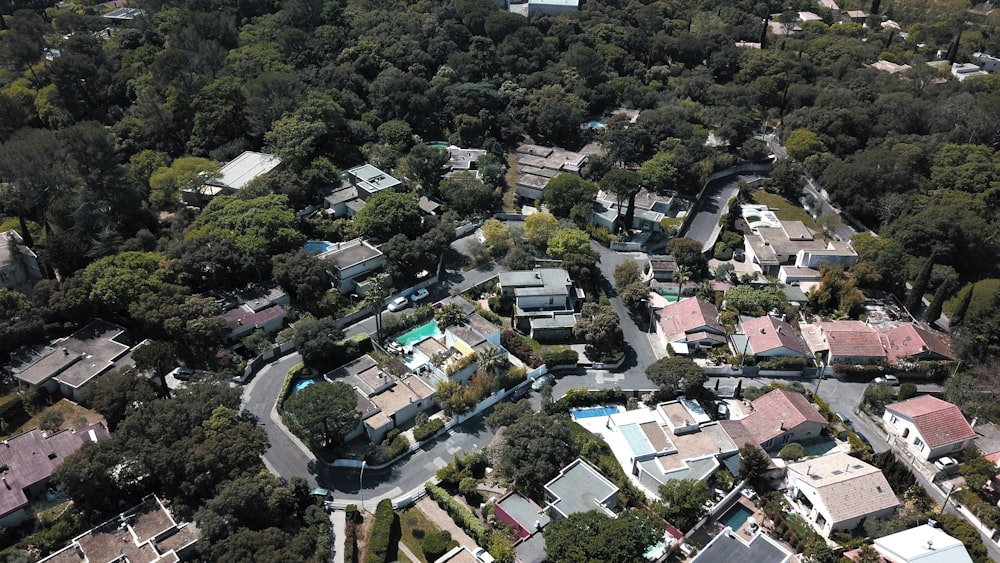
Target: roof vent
x,y
762,331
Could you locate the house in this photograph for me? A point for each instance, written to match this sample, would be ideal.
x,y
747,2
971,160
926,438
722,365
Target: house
x,y
728,547
689,324
839,492
244,320
781,417
351,261
18,264
766,338
835,253
930,426
844,342
360,183
889,66
856,16
552,7
915,342
536,165
146,533
545,300
66,365
29,459
520,513
453,355
661,268
809,17
649,209
124,15
830,5
923,544
458,554
987,63
234,175
964,71
773,243
460,159
579,487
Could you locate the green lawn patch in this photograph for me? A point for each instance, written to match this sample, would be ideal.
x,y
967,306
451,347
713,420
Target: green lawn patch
x,y
786,210
415,527
980,297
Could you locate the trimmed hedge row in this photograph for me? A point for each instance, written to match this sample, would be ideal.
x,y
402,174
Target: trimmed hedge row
x,y
428,429
560,356
514,343
385,534
460,514
787,363
286,388
350,534
575,398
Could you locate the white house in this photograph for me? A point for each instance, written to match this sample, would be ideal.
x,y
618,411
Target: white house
x,y
838,492
552,7
922,544
351,261
929,426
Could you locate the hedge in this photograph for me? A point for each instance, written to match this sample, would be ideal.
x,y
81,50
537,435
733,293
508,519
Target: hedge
x,y
575,398
286,388
722,252
398,446
460,514
436,544
560,356
384,535
427,430
488,314
515,344
786,363
399,323
853,371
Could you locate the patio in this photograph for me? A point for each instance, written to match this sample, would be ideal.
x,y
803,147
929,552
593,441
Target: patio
x,y
715,525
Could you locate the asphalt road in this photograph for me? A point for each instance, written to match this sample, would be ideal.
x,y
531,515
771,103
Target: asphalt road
x,y
713,204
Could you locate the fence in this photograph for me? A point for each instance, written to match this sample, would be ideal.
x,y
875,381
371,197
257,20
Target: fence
x,y
267,357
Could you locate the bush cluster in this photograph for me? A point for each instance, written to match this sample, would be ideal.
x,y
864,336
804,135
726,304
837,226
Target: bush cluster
x,y
428,429
460,514
786,363
398,446
436,544
858,372
385,534
515,344
560,356
286,388
399,323
575,398
350,534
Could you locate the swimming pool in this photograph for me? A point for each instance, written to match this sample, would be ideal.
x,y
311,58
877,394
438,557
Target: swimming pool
x,y
636,439
303,384
314,247
421,332
592,412
736,517
596,125
440,145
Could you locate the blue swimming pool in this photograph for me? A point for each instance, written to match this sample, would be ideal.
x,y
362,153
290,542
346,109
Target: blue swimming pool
x,y
303,384
596,125
736,517
317,246
421,332
592,412
636,439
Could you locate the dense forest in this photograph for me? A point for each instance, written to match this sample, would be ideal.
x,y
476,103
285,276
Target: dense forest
x,y
102,126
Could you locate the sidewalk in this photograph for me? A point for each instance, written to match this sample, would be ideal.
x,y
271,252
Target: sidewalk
x,y
441,519
339,519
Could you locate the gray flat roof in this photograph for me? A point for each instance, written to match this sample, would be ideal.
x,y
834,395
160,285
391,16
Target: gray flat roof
x,y
76,359
347,256
237,173
727,547
579,488
374,177
524,511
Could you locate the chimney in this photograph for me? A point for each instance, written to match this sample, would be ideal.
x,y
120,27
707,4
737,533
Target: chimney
x,y
538,524
5,483
972,424
930,544
762,331
779,330
781,425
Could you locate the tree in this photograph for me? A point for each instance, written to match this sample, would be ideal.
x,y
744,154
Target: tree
x,y
375,298
569,241
389,213
118,394
467,195
601,328
566,190
34,171
208,262
958,316
943,292
753,463
627,273
687,252
659,173
868,554
534,449
684,501
426,164
187,173
755,302
322,414
593,536
158,358
802,143
676,374
303,276
836,293
115,282
624,184
497,236
792,452
635,296
539,228
318,340
877,396
452,314
492,360
787,179
914,299
681,276
978,341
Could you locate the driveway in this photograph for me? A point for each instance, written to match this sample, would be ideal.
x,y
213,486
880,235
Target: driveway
x,y
704,228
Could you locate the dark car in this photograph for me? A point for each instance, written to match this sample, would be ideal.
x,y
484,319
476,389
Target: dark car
x,y
183,373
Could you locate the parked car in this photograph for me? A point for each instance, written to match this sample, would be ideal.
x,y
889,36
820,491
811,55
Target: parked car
x,y
398,304
847,421
483,555
738,255
419,295
542,381
945,463
890,379
183,373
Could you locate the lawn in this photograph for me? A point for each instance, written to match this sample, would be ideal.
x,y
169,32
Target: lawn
x,y
980,296
786,210
74,416
414,525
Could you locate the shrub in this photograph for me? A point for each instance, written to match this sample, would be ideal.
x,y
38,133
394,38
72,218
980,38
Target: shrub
x,y
460,514
792,451
514,377
515,344
575,398
722,252
398,446
489,314
786,363
350,534
559,356
425,431
384,535
286,388
436,544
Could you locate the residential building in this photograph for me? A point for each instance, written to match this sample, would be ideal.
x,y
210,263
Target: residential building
x,y
773,243
350,262
360,183
913,342
922,544
648,210
689,325
856,16
460,159
29,459
18,264
661,268
234,175
728,547
520,513
986,62
964,71
458,554
840,254
766,338
453,355
146,533
545,300
844,342
67,365
124,15
552,7
832,6
809,17
537,165
781,417
930,426
245,319
579,487
839,492
889,66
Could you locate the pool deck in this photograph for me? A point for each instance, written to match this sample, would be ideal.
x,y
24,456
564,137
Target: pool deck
x,y
714,527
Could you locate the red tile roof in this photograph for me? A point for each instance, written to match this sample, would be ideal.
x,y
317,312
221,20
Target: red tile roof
x,y
689,315
861,343
914,340
767,334
240,317
777,412
939,422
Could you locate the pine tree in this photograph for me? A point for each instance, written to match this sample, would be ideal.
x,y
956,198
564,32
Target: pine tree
x,y
963,307
933,311
915,298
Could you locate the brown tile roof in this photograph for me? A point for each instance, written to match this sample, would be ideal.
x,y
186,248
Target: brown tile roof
x,y
914,340
939,422
689,315
777,412
767,334
741,437
864,343
848,486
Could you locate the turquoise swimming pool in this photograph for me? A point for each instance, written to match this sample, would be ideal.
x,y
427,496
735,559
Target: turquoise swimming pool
x,y
303,384
736,517
421,332
592,412
314,247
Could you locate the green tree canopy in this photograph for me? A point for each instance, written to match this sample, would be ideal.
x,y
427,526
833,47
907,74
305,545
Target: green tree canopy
x,y
594,537
387,214
534,449
323,413
566,190
117,281
167,183
467,195
569,241
684,501
601,328
539,228
318,340
676,374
